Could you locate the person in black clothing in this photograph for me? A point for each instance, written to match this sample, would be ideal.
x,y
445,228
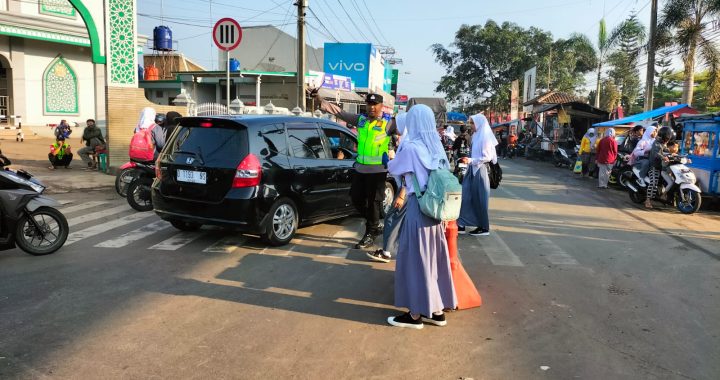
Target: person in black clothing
x,y
461,146
633,138
92,136
657,158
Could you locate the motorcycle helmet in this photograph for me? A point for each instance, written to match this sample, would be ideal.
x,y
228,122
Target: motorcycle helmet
x,y
160,119
665,134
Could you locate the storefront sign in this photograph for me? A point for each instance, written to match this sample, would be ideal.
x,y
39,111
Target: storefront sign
x,y
349,59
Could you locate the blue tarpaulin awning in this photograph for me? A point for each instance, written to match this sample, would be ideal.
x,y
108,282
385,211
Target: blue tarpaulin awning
x,y
456,116
641,116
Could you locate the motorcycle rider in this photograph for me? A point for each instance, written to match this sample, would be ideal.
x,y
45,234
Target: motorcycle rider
x,y
657,158
633,139
164,127
461,146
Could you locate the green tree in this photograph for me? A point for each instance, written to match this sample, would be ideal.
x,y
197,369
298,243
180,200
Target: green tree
x,y
684,24
624,63
484,59
607,42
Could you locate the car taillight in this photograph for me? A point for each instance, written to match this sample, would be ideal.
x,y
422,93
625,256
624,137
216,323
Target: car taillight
x,y
248,173
206,124
158,172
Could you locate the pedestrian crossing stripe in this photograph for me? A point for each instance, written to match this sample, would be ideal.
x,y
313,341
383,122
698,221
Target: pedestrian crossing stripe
x,y
135,235
178,241
107,226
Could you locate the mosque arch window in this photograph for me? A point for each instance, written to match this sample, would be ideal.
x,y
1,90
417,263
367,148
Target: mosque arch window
x,y
60,92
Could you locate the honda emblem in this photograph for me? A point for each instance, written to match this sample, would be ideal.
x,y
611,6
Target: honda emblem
x,y
189,160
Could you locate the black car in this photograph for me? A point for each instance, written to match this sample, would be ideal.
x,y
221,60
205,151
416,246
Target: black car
x,y
261,174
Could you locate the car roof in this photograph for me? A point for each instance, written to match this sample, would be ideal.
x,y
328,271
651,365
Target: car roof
x,y
261,120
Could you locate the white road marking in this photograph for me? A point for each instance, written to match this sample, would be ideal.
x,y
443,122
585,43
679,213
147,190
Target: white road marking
x,y
177,241
337,253
499,253
135,235
226,244
99,214
105,227
557,256
64,201
82,206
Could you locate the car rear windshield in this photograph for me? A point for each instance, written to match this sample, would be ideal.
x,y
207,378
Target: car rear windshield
x,y
216,146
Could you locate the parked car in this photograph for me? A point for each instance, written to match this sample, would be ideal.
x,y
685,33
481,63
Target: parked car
x,y
262,174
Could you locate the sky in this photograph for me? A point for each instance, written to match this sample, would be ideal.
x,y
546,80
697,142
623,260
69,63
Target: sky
x,y
409,26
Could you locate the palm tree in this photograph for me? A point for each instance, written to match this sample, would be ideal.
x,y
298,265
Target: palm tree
x,y
685,24
606,43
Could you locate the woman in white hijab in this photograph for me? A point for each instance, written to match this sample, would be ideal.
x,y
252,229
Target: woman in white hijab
x,y
639,156
423,280
147,119
476,184
588,145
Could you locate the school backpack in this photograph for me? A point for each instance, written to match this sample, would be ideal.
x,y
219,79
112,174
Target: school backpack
x,y
494,174
141,145
442,197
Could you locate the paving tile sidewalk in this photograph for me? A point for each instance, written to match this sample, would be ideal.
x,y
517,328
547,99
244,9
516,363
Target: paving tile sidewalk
x,y
31,155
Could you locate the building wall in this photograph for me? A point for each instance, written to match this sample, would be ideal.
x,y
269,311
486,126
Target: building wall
x,y
53,13
259,44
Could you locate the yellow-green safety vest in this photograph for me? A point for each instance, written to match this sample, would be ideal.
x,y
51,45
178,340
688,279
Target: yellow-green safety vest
x,y
60,149
372,141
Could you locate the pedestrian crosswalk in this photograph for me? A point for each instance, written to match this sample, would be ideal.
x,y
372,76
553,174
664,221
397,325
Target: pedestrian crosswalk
x,y
112,224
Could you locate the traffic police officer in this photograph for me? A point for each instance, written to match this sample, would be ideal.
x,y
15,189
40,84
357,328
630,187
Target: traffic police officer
x,y
374,129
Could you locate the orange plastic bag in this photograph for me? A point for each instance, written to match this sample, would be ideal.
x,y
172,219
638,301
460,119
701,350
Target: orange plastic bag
x,y
465,291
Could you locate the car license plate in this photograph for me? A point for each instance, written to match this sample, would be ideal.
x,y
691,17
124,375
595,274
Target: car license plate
x,y
191,176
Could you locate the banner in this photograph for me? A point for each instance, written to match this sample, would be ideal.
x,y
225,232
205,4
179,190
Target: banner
x,y
514,94
529,81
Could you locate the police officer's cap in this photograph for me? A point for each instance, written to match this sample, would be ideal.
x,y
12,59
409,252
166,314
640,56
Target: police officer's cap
x,y
373,98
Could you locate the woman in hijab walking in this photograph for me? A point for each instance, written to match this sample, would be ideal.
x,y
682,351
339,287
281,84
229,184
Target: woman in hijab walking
x,y
476,184
588,146
423,280
606,156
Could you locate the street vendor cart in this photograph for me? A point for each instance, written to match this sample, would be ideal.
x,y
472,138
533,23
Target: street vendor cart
x,y
700,135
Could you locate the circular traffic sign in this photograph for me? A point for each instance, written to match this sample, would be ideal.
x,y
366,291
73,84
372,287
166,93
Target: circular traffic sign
x,y
227,34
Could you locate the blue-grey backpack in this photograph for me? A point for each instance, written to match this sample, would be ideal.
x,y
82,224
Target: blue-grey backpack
x,y
442,198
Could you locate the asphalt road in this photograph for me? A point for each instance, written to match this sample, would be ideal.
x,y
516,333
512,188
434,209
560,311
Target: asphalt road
x,y
576,283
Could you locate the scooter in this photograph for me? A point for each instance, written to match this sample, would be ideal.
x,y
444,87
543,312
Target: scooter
x,y
138,191
563,157
30,220
678,188
621,172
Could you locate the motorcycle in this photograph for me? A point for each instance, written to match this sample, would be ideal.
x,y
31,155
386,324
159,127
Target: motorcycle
x,y
621,172
138,191
563,157
678,188
126,174
30,219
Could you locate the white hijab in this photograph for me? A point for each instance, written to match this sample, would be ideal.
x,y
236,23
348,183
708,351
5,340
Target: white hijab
x,y
610,133
423,134
147,119
450,132
593,138
401,123
646,143
483,142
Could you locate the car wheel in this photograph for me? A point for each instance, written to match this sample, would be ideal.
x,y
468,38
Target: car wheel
x,y
389,197
282,222
185,226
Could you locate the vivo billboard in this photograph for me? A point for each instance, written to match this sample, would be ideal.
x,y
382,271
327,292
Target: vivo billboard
x,y
350,60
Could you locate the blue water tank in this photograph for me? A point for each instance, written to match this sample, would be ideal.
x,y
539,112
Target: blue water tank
x,y
162,38
234,64
141,72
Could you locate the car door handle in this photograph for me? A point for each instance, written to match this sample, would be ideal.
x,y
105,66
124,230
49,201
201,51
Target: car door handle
x,y
300,169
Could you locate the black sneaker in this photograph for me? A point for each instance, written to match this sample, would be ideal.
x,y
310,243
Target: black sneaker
x,y
406,320
461,230
365,242
379,256
437,320
480,232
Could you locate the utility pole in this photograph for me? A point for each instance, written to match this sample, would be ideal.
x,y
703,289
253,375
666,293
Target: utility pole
x,y
301,4
650,77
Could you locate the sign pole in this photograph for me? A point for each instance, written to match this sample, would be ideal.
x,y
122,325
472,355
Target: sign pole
x,y
227,79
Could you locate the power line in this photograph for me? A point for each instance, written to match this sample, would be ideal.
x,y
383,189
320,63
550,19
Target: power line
x,y
353,22
332,10
365,21
323,25
317,61
326,17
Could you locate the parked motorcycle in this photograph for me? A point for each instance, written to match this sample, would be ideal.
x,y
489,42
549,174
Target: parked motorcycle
x,y
678,188
30,219
564,157
138,191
